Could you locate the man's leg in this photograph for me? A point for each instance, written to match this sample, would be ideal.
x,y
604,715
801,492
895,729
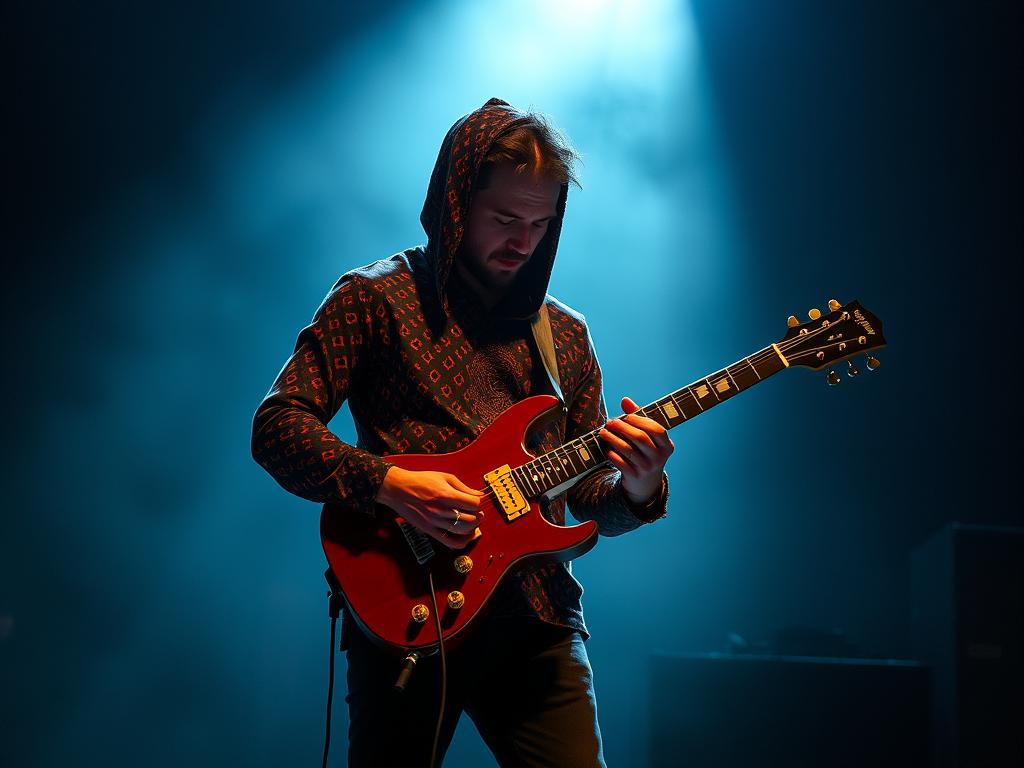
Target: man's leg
x,y
534,702
387,728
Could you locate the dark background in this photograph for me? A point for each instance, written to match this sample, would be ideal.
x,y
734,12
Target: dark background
x,y
159,596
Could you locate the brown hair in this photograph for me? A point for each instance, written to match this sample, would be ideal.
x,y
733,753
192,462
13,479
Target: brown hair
x,y
534,145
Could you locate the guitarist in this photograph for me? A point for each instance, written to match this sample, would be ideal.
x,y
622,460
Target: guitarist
x,y
429,346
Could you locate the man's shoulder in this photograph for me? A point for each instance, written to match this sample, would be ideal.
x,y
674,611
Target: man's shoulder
x,y
572,342
394,270
562,314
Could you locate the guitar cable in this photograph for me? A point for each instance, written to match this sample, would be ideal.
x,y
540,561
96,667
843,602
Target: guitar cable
x,y
334,609
334,601
330,693
444,673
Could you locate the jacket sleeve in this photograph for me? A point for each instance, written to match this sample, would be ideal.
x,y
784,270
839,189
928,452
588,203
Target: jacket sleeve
x,y
599,496
290,438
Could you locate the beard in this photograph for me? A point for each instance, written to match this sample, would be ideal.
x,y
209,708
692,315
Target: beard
x,y
487,273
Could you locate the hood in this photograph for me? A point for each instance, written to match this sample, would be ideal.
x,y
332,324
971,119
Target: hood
x,y
450,196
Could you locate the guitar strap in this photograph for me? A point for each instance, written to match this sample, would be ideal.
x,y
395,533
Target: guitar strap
x,y
541,327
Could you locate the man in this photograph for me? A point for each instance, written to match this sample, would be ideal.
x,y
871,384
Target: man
x,y
429,347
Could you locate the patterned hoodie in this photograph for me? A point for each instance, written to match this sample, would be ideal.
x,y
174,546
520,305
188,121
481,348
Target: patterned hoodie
x,y
426,367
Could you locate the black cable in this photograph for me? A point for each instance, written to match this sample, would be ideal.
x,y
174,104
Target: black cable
x,y
330,693
334,595
444,673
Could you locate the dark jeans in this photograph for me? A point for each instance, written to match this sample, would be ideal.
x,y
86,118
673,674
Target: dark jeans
x,y
526,685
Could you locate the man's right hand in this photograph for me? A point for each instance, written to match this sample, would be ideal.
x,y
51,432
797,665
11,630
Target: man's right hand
x,y
437,503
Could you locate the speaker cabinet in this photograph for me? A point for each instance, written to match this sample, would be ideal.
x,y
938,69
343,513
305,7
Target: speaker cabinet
x,y
720,711
966,620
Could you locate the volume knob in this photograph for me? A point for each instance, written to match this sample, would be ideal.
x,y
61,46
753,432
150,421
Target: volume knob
x,y
463,564
420,613
456,599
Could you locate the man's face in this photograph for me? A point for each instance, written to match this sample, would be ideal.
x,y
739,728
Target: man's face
x,y
507,220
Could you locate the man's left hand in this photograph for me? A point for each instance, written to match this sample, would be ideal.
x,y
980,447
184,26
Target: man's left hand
x,y
638,447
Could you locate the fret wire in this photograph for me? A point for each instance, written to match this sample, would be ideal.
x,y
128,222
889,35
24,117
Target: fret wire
x,y
546,470
570,455
559,466
655,413
565,462
714,391
749,361
581,443
764,356
555,467
680,416
521,476
675,404
550,469
531,470
736,387
695,399
542,474
714,387
593,444
662,417
677,400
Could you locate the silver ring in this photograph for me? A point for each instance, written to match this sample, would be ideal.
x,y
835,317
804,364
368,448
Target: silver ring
x,y
458,517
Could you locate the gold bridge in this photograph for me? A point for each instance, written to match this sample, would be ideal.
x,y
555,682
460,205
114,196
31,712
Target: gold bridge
x,y
505,490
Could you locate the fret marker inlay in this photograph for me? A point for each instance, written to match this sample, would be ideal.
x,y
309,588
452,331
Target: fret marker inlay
x,y
559,469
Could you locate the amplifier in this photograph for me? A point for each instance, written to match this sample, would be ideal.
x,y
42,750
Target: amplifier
x,y
724,711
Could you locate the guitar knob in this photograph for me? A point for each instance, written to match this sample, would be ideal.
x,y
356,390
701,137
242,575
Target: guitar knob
x,y
463,564
420,613
814,314
873,362
833,305
832,378
456,600
792,322
852,370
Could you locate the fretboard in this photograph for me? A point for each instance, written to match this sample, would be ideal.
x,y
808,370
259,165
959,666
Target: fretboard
x,y
557,470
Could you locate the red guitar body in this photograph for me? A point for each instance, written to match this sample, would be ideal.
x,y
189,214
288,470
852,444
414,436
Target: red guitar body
x,y
380,578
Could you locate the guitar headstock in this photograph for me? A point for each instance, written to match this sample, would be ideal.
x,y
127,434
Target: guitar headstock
x,y
845,332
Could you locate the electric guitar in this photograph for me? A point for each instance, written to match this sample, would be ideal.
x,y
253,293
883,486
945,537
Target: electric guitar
x,y
402,586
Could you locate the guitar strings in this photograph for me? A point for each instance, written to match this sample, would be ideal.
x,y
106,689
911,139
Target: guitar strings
x,y
550,459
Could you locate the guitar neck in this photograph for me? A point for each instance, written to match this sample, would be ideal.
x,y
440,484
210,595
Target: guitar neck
x,y
557,470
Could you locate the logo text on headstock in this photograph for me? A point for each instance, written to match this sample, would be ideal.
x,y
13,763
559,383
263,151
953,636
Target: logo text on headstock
x,y
859,318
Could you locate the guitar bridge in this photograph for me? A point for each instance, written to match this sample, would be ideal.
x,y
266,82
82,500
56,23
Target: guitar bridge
x,y
506,492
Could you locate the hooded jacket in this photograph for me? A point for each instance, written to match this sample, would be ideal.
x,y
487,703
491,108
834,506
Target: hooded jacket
x,y
426,367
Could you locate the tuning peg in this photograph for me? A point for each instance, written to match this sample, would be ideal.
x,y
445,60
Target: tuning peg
x,y
832,378
814,314
792,322
833,305
873,363
852,370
